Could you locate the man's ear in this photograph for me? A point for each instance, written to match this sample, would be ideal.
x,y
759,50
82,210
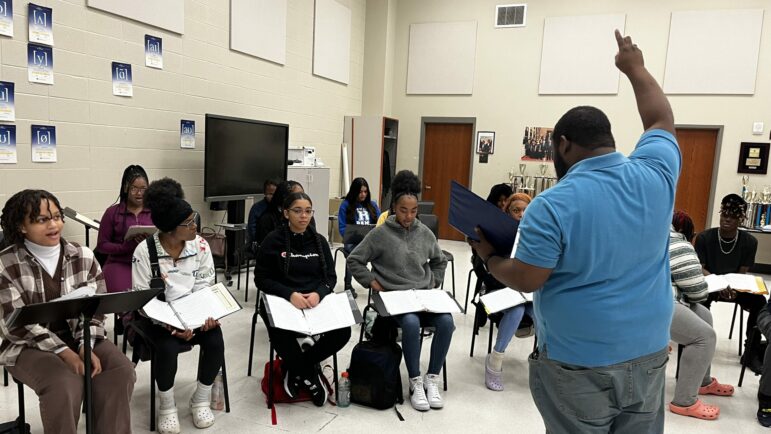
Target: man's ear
x,y
564,144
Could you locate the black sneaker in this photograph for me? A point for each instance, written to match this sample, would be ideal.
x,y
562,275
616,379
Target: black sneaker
x,y
317,389
292,384
764,417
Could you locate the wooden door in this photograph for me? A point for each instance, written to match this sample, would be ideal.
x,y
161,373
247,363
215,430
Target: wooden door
x,y
446,156
698,149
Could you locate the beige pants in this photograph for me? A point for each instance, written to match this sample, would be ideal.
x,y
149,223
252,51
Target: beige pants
x,y
60,390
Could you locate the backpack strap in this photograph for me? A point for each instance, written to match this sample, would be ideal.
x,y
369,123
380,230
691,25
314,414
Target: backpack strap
x,y
156,279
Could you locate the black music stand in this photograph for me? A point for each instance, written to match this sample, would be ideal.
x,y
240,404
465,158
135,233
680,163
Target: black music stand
x,y
85,221
84,308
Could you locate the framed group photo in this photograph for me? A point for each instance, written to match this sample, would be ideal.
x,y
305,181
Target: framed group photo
x,y
485,142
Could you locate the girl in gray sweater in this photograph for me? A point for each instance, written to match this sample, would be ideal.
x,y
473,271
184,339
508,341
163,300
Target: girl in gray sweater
x,y
404,254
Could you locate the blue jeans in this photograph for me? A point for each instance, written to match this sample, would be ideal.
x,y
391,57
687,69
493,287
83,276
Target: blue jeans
x,y
411,324
510,323
625,398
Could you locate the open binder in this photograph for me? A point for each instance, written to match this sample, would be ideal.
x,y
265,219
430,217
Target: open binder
x,y
390,303
192,310
335,311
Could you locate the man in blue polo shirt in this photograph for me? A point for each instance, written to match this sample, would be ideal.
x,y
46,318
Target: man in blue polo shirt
x,y
594,248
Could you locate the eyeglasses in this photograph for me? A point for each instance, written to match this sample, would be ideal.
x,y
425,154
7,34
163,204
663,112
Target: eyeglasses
x,y
191,221
133,189
300,211
42,220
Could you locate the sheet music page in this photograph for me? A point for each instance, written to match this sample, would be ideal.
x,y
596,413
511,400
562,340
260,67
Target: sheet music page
x,y
715,282
83,291
334,312
285,316
502,299
437,301
400,302
162,312
214,301
743,282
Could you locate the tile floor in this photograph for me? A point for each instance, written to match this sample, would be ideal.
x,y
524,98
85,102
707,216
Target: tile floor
x,y
469,406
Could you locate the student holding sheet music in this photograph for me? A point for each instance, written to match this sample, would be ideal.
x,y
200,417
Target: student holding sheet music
x,y
405,255
40,266
358,208
186,265
117,219
724,250
295,263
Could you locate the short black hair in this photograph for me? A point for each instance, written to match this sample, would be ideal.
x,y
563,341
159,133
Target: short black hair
x,y
497,191
585,126
25,203
269,181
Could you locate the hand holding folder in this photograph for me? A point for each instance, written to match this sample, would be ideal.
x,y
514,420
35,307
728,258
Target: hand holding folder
x,y
469,211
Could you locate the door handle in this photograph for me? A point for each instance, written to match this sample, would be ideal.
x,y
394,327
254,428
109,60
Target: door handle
x,y
428,187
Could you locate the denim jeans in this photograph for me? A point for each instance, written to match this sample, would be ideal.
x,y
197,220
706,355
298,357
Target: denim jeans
x,y
626,397
411,324
509,324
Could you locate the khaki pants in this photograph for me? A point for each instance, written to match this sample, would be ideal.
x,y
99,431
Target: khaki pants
x,y
60,390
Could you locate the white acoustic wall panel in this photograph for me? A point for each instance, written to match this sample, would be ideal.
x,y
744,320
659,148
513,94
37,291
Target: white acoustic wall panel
x,y
258,28
442,58
166,14
332,41
578,55
713,52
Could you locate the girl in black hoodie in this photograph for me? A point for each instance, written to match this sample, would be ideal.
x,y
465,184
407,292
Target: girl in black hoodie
x,y
294,262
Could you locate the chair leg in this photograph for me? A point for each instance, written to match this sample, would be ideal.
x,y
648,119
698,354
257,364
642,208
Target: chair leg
x,y
125,341
745,360
334,369
468,289
733,321
225,387
452,269
152,390
444,374
490,337
5,377
680,349
270,378
473,338
115,328
22,415
238,267
246,283
251,343
741,329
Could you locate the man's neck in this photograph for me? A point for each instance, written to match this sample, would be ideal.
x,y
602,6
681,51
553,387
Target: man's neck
x,y
730,234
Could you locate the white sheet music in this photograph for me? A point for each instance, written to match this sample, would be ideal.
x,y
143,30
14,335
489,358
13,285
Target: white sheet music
x,y
83,291
285,315
334,312
162,312
418,300
437,301
502,299
737,281
192,310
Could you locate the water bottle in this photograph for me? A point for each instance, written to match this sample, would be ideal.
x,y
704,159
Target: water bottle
x,y
217,393
344,391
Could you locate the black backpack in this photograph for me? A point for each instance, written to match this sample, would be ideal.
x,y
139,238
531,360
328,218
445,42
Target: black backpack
x,y
374,374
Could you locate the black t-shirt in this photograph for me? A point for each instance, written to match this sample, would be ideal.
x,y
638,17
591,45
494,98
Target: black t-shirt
x,y
715,261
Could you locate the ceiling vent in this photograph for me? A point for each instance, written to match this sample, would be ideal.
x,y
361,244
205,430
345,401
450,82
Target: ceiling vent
x,y
511,15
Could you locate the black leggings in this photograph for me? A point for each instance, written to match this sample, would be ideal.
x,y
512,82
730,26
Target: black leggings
x,y
753,304
167,347
304,363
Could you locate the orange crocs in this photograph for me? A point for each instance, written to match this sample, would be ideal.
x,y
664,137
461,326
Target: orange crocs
x,y
715,388
699,410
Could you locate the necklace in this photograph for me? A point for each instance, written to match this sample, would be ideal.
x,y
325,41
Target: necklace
x,y
733,242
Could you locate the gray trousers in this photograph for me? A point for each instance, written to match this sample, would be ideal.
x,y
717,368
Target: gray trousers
x,y
692,328
764,390
622,398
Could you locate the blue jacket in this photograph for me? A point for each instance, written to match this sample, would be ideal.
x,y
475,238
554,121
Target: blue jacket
x,y
362,212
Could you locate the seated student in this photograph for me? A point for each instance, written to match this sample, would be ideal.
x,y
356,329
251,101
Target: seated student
x,y
38,266
691,327
187,266
294,262
724,250
515,206
499,194
357,209
273,217
117,219
268,188
405,255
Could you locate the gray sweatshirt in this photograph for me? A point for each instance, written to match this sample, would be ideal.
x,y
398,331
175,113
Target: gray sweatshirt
x,y
401,258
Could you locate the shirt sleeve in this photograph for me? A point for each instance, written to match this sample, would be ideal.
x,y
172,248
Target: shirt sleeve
x,y
358,259
539,238
204,277
341,214
748,252
140,268
268,269
331,278
660,149
104,242
701,249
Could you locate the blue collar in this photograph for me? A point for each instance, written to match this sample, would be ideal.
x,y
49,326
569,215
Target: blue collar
x,y
598,163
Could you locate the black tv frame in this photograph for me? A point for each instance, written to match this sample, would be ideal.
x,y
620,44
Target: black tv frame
x,y
207,198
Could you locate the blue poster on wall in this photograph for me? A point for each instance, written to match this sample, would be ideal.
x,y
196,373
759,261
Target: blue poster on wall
x,y
153,52
7,109
187,134
43,143
40,24
40,64
6,18
121,79
8,144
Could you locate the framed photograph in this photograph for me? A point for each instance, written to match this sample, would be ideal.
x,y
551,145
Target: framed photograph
x,y
538,144
753,158
485,142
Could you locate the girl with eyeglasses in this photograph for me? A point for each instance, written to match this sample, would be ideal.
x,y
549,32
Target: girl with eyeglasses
x,y
294,262
40,266
130,210
187,266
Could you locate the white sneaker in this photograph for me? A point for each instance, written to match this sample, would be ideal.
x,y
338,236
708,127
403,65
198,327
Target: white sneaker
x,y
418,395
432,391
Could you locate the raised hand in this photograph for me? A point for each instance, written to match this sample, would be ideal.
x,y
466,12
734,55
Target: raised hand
x,y
629,57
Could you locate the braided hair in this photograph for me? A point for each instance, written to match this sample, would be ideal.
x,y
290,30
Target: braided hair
x,y
24,204
682,223
353,200
130,174
290,199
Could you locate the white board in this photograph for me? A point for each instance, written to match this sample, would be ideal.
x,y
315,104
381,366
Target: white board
x,y
713,52
332,41
442,58
166,14
578,55
258,28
